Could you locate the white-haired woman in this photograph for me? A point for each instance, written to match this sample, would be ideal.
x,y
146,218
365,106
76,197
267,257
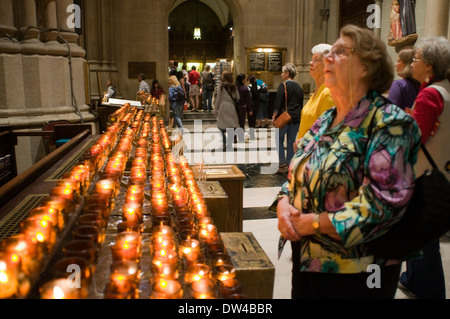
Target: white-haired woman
x,y
321,100
425,276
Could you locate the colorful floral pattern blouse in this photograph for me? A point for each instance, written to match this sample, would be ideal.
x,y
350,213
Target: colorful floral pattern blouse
x,y
364,188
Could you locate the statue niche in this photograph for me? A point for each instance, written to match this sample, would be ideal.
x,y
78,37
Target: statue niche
x,y
403,24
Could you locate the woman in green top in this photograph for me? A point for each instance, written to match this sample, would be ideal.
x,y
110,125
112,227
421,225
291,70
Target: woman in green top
x,y
349,184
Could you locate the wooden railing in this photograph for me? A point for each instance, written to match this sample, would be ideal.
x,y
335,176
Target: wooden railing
x,y
17,184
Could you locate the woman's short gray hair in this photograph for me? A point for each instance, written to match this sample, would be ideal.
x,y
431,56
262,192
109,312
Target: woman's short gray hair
x,y
435,51
322,48
291,69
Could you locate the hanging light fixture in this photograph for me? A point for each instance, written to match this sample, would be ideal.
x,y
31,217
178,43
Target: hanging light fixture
x,y
197,30
197,33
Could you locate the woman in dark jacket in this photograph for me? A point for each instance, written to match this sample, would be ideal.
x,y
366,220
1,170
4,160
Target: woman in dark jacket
x,y
245,103
254,92
291,92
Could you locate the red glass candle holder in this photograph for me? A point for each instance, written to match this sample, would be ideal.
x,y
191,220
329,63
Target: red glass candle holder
x,y
202,289
132,212
126,251
167,289
125,269
195,272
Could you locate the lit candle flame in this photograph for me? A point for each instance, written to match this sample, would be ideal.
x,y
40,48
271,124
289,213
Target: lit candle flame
x,y
40,237
15,258
3,277
58,293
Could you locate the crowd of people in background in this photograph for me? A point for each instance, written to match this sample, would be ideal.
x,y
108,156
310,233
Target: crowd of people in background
x,y
358,125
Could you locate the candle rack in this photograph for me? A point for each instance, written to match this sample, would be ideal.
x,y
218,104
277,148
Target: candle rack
x,y
134,179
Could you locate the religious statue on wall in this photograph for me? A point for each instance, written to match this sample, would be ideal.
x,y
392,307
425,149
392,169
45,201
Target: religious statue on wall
x,y
403,24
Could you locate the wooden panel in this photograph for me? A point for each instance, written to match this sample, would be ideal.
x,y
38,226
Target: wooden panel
x,y
216,199
232,181
253,268
68,131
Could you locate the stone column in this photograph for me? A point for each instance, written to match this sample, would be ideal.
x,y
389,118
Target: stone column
x,y
51,23
66,31
379,3
8,43
28,32
436,20
325,16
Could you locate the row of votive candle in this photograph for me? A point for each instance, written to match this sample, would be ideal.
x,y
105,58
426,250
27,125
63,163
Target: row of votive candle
x,y
88,234
127,248
196,234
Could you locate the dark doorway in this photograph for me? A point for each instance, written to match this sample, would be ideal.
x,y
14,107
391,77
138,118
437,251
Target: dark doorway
x,y
216,38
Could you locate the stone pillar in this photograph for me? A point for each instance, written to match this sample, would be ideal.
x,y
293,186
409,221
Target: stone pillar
x,y
51,23
8,43
28,32
66,31
379,3
325,16
436,20
98,32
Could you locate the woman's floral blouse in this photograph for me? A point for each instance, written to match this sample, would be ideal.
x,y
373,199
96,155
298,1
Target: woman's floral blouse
x,y
364,188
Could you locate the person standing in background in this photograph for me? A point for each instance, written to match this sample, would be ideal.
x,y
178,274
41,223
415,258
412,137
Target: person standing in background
x,y
175,104
289,94
207,78
173,67
194,91
424,277
263,105
187,85
143,85
254,92
227,117
245,103
156,91
111,89
403,92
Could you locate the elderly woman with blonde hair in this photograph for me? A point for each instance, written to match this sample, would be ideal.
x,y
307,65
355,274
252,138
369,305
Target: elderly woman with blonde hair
x,y
351,178
321,100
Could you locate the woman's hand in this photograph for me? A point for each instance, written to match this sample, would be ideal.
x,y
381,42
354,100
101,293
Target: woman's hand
x,y
286,212
295,145
303,224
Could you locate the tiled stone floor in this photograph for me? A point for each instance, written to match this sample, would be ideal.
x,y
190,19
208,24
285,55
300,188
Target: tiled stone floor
x,y
259,192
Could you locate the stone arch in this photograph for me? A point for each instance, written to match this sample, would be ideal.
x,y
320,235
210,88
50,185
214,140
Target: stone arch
x,y
235,11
